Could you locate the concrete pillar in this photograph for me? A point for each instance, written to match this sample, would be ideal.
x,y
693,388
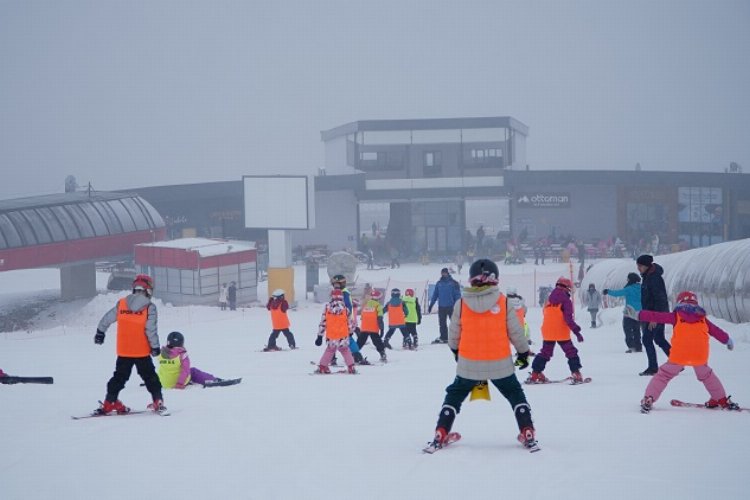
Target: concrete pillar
x,y
280,270
78,281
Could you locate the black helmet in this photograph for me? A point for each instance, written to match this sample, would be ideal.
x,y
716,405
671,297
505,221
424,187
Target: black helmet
x,y
175,339
633,278
395,292
483,272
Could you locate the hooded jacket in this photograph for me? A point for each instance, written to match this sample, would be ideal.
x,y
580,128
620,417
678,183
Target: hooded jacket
x,y
653,290
135,302
481,300
632,294
174,367
690,333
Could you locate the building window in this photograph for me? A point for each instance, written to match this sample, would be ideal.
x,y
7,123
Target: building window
x,y
433,163
485,157
381,160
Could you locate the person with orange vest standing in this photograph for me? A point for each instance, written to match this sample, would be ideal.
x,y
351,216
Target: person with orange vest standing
x,y
557,324
481,332
372,324
278,306
137,341
689,348
397,313
335,325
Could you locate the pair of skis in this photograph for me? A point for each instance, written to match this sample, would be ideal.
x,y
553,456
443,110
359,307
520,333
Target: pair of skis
x,y
684,404
98,414
453,437
568,380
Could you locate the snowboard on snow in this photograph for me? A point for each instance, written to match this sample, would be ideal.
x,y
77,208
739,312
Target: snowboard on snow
x,y
13,379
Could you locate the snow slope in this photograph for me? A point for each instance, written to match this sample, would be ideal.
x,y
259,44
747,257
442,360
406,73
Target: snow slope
x,y
283,434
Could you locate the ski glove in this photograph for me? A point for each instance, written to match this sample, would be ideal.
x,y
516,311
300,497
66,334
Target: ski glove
x,y
155,351
522,360
730,344
579,336
99,337
319,341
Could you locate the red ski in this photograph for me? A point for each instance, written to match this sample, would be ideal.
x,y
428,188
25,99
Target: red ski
x,y
683,404
451,438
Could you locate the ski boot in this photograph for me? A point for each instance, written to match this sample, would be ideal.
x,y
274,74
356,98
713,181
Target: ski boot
x,y
363,361
648,372
647,403
322,369
387,344
537,378
108,407
415,342
271,348
527,438
576,377
157,406
439,341
383,357
440,435
351,369
724,404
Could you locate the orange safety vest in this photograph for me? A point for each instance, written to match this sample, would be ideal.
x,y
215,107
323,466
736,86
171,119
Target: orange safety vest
x,y
396,315
484,336
554,327
337,325
689,343
279,319
131,331
370,318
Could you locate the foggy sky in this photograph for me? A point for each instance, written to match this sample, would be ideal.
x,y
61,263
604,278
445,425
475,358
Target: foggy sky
x,y
148,92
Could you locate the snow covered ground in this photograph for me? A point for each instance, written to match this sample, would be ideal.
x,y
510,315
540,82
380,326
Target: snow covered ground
x,y
283,434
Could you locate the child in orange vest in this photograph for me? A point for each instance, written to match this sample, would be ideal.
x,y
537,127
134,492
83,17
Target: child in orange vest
x,y
278,306
689,348
336,327
397,311
372,324
557,324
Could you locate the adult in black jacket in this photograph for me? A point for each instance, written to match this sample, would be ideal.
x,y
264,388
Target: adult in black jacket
x,y
653,298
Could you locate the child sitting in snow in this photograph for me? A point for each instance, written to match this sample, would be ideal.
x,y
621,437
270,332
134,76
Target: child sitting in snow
x,y
175,371
689,348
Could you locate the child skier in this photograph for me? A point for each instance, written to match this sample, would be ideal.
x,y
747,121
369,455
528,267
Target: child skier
x,y
397,312
593,301
137,339
631,327
175,370
335,326
689,348
481,332
557,324
518,306
413,316
338,282
278,306
372,324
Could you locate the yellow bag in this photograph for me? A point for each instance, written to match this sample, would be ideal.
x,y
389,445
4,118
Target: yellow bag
x,y
480,391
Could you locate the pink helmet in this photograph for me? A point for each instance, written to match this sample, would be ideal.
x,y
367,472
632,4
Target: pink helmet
x,y
687,297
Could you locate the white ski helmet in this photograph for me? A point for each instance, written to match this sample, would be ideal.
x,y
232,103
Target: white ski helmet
x,y
278,293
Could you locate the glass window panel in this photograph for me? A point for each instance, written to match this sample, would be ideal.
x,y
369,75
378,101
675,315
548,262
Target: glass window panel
x,y
492,215
109,217
81,221
12,238
70,227
373,218
141,223
100,228
54,225
38,226
122,215
27,235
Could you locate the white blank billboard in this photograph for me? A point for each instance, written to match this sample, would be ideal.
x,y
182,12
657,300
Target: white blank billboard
x,y
277,202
